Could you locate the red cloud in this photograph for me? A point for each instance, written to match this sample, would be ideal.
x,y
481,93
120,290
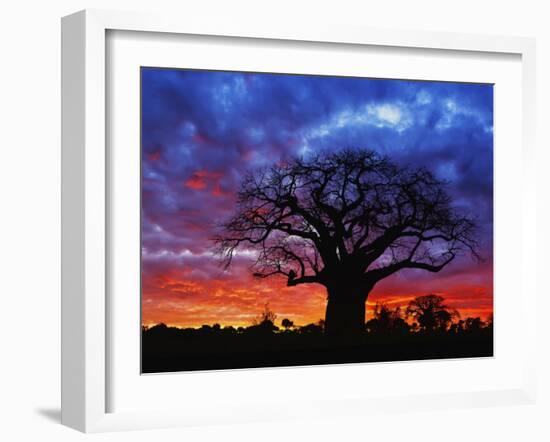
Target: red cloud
x,y
195,183
155,156
201,179
197,291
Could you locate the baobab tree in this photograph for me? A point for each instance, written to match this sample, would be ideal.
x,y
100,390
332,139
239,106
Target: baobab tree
x,y
345,220
431,313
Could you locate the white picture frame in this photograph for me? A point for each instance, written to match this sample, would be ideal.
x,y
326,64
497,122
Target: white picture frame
x,y
85,206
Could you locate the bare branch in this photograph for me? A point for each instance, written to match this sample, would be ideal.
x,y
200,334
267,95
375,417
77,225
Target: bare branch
x,y
352,213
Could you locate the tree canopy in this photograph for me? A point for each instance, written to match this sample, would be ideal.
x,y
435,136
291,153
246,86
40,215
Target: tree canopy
x,y
350,214
431,312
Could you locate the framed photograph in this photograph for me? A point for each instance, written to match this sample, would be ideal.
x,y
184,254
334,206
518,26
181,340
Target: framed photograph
x,y
271,237
255,213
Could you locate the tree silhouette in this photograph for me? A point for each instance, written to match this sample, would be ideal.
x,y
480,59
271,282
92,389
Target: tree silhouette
x,y
345,220
489,323
266,316
474,324
287,323
386,320
264,323
431,313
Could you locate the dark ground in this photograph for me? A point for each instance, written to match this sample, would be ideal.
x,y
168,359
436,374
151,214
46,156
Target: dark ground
x,y
166,349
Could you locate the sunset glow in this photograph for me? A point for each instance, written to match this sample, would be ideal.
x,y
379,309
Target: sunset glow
x,y
202,130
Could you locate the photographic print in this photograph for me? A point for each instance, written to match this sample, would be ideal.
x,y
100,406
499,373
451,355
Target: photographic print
x,y
292,220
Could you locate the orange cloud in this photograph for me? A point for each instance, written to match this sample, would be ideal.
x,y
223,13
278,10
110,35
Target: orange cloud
x,y
184,301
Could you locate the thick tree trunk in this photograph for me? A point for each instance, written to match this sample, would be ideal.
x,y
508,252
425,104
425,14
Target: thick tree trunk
x,y
345,314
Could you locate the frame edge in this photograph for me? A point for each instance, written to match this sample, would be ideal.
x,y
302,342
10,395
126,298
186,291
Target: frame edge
x,y
83,290
73,80
83,205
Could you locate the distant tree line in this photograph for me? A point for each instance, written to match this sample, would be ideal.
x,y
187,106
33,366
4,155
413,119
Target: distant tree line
x,y
426,328
424,314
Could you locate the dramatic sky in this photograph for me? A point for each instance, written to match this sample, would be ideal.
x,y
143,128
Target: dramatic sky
x,y
202,130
